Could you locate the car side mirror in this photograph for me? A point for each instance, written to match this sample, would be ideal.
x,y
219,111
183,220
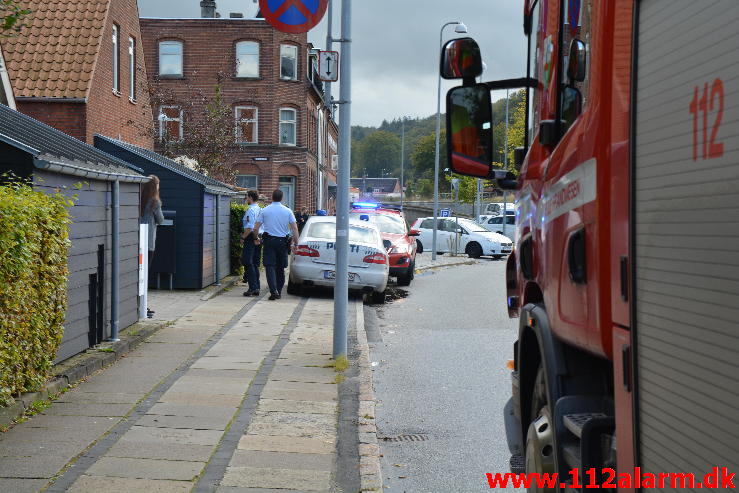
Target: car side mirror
x,y
414,232
469,130
387,244
461,59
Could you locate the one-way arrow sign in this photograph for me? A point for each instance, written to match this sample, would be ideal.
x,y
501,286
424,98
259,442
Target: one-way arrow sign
x,y
328,66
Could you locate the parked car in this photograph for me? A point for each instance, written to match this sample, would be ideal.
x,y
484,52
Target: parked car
x,y
400,245
496,208
313,262
495,223
470,237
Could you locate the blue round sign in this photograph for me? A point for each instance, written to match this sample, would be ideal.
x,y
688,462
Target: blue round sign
x,y
293,16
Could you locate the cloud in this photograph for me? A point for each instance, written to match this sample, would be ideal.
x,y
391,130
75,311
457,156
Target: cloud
x,y
395,46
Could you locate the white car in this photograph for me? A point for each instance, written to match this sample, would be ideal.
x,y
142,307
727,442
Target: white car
x,y
495,223
496,208
461,234
313,261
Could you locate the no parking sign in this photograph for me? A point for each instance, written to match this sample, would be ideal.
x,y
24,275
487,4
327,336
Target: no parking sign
x,y
293,16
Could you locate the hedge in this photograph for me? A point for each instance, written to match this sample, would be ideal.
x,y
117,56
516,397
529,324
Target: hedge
x,y
33,285
237,226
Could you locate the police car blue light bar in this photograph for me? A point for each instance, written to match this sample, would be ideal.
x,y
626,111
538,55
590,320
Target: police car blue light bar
x,y
365,205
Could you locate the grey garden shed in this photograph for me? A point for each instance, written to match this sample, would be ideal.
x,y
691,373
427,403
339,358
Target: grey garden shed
x,y
202,221
101,299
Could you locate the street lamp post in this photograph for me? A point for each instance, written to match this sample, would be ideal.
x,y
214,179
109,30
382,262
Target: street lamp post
x,y
402,161
461,28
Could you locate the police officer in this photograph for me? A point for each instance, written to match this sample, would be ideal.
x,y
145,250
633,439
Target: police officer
x,y
252,252
276,222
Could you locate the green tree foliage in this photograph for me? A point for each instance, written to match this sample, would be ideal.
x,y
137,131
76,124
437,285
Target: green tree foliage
x,y
33,285
423,156
377,151
12,15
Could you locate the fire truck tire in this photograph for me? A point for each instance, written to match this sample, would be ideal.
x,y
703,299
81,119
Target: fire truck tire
x,y
540,451
474,250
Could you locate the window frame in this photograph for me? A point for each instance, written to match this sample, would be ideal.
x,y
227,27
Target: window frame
x,y
181,55
237,58
294,123
238,120
132,69
116,61
256,181
164,118
296,65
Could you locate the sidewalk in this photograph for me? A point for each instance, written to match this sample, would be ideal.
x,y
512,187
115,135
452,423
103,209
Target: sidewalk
x,y
238,395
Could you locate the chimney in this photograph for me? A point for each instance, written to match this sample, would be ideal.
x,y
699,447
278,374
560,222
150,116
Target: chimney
x,y
208,9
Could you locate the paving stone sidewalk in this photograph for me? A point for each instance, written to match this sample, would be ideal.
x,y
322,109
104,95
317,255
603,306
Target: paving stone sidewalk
x,y
238,395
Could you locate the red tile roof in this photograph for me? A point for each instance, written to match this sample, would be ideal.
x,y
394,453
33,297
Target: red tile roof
x,y
54,56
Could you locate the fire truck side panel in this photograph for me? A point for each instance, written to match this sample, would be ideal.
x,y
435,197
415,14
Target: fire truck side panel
x,y
686,242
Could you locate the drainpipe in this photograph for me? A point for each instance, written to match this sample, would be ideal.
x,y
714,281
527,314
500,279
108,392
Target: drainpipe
x,y
218,240
115,259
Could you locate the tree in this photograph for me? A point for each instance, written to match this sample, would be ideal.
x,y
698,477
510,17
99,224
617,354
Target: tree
x,y
377,151
11,16
423,156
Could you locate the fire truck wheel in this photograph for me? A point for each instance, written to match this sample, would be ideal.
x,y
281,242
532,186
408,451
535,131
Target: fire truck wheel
x,y
540,435
474,250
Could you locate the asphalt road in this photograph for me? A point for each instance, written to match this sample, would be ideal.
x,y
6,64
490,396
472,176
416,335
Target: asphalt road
x,y
441,374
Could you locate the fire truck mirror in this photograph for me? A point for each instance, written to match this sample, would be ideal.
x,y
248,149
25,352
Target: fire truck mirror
x,y
577,62
461,59
469,130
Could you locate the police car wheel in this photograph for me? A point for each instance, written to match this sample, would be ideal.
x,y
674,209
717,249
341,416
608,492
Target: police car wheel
x,y
293,288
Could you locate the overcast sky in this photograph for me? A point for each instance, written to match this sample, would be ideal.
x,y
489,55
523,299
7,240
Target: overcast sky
x,y
395,46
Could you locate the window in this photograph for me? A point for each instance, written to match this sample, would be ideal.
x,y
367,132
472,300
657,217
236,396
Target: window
x,y
427,224
533,69
132,69
289,62
116,60
247,124
170,58
247,59
170,124
287,126
327,231
250,182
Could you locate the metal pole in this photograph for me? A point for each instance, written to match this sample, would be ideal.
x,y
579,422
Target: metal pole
x,y
402,161
115,260
341,291
436,154
505,161
218,240
329,47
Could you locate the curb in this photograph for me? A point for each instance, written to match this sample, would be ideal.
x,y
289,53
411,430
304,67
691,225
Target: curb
x,y
421,270
79,367
370,470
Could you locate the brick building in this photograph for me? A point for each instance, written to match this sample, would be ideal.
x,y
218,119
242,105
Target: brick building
x,y
282,131
78,66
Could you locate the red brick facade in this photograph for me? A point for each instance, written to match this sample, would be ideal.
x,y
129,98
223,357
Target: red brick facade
x,y
209,57
64,76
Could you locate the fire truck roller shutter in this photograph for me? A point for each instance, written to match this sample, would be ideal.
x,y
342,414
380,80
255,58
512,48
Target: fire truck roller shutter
x,y
686,235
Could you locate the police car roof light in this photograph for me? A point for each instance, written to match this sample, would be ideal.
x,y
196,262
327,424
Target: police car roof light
x,y
365,205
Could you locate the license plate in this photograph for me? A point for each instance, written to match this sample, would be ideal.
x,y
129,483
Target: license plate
x,y
330,274
506,250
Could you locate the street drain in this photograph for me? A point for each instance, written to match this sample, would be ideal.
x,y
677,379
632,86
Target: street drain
x,y
406,438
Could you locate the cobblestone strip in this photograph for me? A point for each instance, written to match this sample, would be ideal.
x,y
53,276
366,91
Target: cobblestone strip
x,y
370,470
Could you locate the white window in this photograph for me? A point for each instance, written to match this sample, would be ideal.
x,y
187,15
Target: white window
x,y
170,124
132,69
247,124
287,126
170,58
247,59
288,62
116,60
250,182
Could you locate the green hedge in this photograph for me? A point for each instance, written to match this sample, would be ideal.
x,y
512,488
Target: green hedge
x,y
237,226
33,285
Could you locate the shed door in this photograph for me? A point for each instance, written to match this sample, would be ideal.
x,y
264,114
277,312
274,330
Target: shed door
x,y
686,192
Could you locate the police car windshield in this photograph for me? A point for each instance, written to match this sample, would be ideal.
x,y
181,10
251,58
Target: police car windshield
x,y
386,223
327,231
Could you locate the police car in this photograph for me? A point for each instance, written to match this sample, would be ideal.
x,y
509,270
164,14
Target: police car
x,y
313,261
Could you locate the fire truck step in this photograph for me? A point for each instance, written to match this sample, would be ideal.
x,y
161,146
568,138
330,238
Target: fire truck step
x,y
576,422
571,452
517,463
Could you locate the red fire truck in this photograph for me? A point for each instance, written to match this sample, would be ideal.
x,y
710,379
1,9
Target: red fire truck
x,y
626,271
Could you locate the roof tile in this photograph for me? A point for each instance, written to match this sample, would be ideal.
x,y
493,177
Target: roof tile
x,y
55,55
